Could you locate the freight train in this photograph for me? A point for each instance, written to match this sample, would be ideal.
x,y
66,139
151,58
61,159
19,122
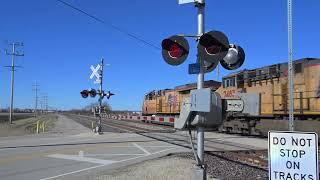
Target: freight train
x,y
254,101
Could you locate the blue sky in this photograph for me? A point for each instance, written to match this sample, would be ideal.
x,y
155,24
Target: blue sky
x,y
60,44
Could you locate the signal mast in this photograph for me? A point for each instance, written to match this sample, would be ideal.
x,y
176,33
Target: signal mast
x,y
100,92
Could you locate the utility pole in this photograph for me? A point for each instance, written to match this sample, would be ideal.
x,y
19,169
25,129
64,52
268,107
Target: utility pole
x,y
36,90
44,104
290,68
12,69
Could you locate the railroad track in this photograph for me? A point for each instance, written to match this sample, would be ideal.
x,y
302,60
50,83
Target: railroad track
x,y
123,126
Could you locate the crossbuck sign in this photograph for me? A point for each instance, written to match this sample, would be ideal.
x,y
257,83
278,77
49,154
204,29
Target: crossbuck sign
x,y
95,73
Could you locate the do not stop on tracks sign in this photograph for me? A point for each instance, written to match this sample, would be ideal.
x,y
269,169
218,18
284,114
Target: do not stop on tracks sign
x,y
293,156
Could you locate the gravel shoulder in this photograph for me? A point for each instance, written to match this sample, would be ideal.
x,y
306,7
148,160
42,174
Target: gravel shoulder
x,y
165,168
65,125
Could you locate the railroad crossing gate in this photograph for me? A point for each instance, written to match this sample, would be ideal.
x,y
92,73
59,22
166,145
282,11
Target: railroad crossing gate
x,y
293,155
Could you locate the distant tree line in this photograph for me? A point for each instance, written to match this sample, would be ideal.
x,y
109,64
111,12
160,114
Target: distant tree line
x,y
89,109
17,110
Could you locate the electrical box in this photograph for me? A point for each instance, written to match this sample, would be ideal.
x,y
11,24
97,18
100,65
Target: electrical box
x,y
204,108
213,118
200,100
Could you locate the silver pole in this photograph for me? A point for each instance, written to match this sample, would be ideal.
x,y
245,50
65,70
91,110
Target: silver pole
x,y
290,68
12,81
101,95
200,130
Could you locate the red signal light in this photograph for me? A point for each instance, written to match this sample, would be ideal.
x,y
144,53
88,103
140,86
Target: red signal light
x,y
84,93
93,93
175,51
213,46
214,49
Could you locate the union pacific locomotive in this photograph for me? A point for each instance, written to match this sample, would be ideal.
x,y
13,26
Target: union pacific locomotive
x,y
254,101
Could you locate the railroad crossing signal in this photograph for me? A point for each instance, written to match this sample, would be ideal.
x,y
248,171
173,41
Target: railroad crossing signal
x,y
92,93
175,50
213,46
234,58
86,93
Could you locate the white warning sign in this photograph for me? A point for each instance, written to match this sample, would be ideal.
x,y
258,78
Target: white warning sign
x,y
186,1
293,156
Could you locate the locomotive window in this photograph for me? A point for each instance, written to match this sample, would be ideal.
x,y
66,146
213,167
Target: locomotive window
x,y
298,68
240,81
229,83
273,70
240,77
252,74
232,82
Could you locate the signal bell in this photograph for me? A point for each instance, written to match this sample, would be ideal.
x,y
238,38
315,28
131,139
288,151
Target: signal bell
x,y
213,46
234,58
175,50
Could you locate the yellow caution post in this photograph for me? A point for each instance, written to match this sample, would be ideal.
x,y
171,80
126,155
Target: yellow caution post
x,y
38,127
43,126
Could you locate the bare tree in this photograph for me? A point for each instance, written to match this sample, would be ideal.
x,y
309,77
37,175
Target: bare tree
x,y
105,107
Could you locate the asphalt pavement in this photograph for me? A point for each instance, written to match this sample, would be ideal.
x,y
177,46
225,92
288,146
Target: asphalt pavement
x,y
80,154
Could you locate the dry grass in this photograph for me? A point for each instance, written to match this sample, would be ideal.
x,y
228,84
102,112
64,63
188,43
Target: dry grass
x,y
26,126
166,168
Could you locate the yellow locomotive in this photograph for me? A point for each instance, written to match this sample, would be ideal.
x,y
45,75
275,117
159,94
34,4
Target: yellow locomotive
x,y
267,87
168,101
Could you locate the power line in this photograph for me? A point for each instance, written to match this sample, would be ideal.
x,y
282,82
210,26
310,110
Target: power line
x,y
110,24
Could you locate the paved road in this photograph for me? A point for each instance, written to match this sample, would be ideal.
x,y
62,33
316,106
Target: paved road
x,y
82,155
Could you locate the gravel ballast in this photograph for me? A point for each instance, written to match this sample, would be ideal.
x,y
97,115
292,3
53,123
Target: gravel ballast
x,y
226,168
179,166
